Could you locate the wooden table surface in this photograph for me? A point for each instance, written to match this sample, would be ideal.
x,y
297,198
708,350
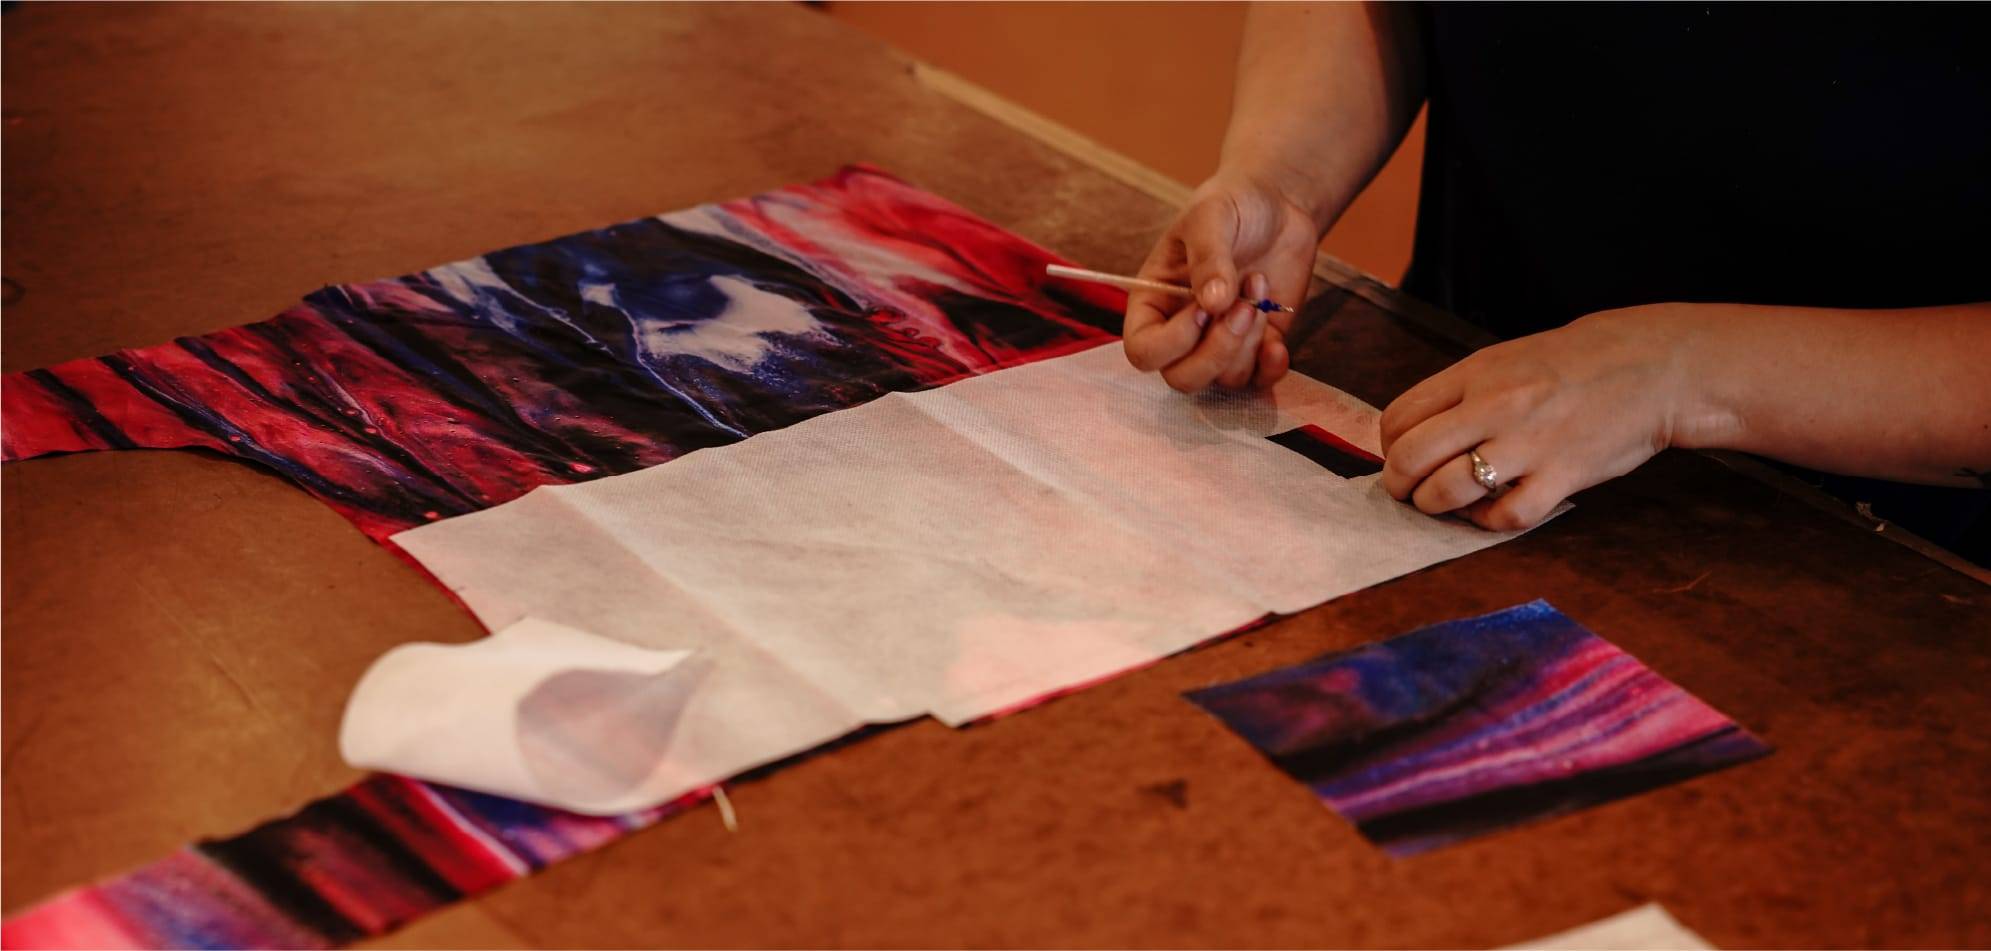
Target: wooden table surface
x,y
181,631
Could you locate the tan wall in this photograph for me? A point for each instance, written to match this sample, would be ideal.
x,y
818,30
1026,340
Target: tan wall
x,y
1151,80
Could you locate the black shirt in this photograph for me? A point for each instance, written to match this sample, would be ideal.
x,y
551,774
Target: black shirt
x,y
1584,157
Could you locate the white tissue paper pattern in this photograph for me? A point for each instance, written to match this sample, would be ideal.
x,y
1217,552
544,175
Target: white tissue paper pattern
x,y
955,552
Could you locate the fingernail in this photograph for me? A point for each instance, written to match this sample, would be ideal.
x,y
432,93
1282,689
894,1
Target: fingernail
x,y
1214,291
1257,287
1241,319
1202,318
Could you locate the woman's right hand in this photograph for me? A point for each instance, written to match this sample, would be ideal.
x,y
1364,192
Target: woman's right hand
x,y
1238,237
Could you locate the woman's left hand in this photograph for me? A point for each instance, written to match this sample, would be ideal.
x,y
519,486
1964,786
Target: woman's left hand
x,y
1552,414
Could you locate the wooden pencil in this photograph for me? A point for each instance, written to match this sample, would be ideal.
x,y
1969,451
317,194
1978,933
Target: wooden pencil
x,y
1143,284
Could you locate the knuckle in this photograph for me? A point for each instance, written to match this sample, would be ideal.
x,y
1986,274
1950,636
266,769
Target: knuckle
x,y
1395,486
1218,350
1389,431
1396,467
1430,503
1510,401
1460,495
1509,516
1237,375
1217,209
1168,259
1138,357
1391,420
1535,391
1449,495
1181,381
1403,460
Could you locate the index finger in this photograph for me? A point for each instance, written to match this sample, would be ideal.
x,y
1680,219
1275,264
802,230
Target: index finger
x,y
1146,309
1435,394
1152,338
1149,311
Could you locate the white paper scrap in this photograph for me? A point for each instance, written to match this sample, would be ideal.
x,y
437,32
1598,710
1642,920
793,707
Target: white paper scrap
x,y
952,552
537,710
1645,928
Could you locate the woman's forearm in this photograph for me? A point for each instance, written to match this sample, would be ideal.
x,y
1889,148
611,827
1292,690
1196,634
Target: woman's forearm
x,y
1899,394
1893,394
1324,94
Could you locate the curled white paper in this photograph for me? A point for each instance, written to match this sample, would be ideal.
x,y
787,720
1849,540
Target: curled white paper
x,y
538,711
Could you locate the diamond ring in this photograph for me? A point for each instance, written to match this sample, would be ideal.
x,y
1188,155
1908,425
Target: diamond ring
x,y
1482,472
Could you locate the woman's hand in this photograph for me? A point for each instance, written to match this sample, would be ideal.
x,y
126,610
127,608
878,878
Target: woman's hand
x,y
1324,94
1238,236
1552,413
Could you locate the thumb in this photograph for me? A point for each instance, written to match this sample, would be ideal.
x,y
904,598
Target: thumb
x,y
1209,231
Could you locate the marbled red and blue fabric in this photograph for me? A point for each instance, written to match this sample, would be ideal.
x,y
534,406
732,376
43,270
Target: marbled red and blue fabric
x,y
359,863
464,386
1462,728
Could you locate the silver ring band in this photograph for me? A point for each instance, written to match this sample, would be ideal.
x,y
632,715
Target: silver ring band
x,y
1482,472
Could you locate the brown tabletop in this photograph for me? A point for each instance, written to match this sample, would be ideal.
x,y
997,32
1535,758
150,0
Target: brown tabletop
x,y
181,631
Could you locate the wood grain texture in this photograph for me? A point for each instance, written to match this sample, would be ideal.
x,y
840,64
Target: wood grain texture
x,y
181,631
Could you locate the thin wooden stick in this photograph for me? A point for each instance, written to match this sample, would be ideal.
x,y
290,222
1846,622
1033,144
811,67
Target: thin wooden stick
x,y
726,816
1126,283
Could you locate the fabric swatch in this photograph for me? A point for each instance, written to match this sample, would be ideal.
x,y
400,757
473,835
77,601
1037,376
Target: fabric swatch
x,y
956,552
1462,728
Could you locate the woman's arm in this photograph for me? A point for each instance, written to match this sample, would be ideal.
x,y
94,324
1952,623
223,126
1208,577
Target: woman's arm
x,y
1895,394
1324,94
